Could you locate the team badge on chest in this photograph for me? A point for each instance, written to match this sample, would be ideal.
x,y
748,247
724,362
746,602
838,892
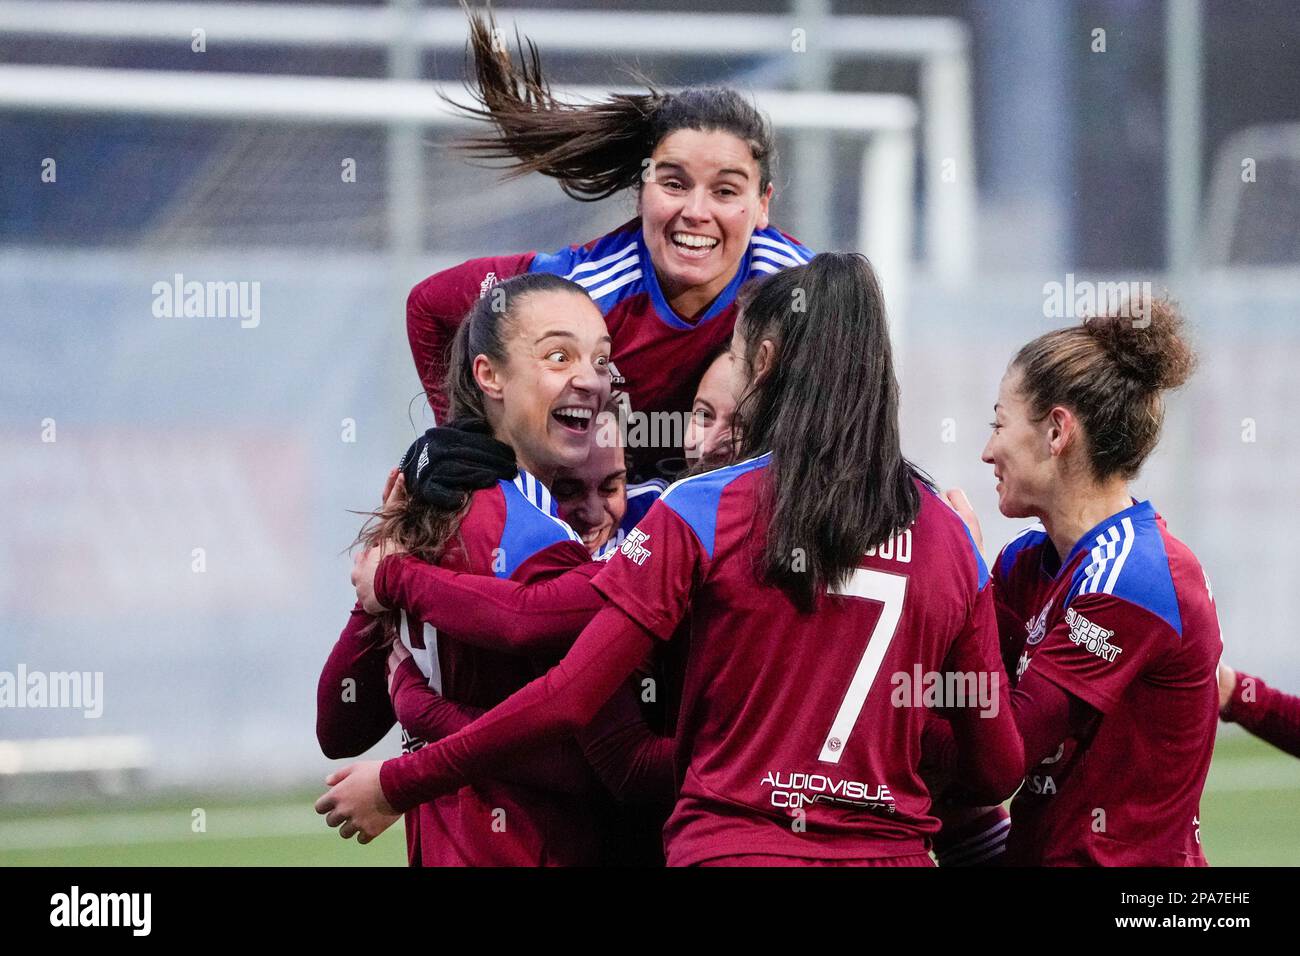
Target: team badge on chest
x,y
1037,627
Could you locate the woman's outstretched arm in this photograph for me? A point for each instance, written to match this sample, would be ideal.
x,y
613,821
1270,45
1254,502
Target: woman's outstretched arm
x,y
556,705
537,618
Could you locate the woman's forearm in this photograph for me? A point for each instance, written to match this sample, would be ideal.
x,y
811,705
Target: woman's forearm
x,y
435,308
540,618
1266,712
353,711
634,763
426,714
554,706
1044,715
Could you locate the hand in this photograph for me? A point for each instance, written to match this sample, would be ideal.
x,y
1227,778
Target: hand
x,y
395,490
364,567
388,485
396,654
459,459
1227,685
355,802
961,504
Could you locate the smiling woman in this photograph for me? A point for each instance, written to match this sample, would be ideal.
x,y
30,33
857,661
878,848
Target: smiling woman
x,y
701,163
1107,622
532,362
715,549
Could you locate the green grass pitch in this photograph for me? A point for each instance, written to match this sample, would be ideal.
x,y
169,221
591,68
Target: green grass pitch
x,y
1250,815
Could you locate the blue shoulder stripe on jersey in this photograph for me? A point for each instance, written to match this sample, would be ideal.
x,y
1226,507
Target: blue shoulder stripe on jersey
x,y
770,246
1126,558
531,523
1032,536
611,269
573,262
695,499
981,569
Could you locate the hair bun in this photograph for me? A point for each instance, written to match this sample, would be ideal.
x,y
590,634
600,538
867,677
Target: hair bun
x,y
1150,348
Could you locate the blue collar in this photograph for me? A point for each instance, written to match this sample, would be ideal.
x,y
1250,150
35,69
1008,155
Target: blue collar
x,y
1138,511
661,306
536,492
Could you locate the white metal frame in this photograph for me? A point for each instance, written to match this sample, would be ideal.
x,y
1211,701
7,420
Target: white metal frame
x,y
1261,142
939,45
886,121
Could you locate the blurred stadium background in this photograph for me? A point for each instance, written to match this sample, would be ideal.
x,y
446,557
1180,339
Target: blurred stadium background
x,y
976,149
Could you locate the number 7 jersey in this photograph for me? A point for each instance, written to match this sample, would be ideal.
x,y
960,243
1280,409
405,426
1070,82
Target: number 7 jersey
x,y
800,732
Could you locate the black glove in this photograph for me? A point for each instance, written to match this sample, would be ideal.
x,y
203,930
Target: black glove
x,y
446,464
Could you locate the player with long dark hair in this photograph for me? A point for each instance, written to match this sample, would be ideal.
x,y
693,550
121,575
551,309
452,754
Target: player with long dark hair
x,y
700,162
812,569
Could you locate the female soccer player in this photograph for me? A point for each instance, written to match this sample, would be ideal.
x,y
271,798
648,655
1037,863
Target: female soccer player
x,y
502,615
595,499
708,436
531,361
371,678
1106,618
793,749
701,164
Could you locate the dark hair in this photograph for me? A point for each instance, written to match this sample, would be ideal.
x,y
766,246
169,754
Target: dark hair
x,y
827,410
415,526
419,527
1110,371
593,149
481,333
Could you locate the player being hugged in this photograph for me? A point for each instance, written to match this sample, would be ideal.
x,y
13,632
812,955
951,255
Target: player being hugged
x,y
700,162
1106,618
813,570
531,362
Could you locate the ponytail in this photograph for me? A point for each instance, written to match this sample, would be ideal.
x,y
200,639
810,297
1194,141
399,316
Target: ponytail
x,y
594,149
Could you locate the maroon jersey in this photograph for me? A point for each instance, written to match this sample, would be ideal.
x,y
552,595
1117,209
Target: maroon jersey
x,y
510,531
1126,623
660,356
790,741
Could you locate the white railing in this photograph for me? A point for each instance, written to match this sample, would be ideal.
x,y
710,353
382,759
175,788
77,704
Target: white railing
x,y
886,123
72,755
939,46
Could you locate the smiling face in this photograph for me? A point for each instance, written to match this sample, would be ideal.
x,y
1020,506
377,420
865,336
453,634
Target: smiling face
x,y
592,497
708,436
698,213
544,399
1020,451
